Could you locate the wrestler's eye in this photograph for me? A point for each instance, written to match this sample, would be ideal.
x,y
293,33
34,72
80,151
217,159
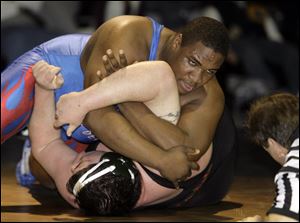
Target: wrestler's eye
x,y
211,72
192,63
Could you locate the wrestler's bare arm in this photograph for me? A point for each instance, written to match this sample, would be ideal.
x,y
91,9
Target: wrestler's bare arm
x,y
151,82
202,109
111,127
143,81
196,126
47,147
202,112
107,124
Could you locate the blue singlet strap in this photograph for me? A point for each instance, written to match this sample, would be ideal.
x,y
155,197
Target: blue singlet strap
x,y
155,38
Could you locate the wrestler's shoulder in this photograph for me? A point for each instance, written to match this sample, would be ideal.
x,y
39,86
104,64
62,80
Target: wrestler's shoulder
x,y
211,91
124,28
214,86
128,22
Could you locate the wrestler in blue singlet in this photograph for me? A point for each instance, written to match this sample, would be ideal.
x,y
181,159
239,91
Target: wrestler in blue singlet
x,y
17,93
17,82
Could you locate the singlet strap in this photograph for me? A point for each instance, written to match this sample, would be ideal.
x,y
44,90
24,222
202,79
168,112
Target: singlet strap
x,y
158,179
155,39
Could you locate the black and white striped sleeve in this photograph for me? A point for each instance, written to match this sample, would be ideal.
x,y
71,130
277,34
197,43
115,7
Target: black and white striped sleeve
x,y
287,185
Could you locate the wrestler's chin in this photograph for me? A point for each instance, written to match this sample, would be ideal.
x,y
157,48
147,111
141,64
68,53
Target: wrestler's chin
x,y
181,90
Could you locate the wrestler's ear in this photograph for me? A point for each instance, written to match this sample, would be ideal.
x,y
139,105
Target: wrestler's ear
x,y
177,41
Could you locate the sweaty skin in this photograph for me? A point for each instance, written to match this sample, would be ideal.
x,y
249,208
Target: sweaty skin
x,y
202,102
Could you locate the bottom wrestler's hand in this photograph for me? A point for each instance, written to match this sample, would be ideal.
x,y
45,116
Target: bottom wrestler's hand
x,y
47,76
176,166
70,110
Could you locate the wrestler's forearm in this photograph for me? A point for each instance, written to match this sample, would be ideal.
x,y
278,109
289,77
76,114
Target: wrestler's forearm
x,y
41,123
132,83
158,131
117,133
47,147
195,128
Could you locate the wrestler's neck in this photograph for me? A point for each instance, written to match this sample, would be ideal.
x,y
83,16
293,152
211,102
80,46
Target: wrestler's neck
x,y
164,46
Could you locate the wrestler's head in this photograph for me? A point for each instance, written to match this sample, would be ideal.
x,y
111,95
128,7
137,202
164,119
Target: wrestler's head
x,y
197,52
111,186
271,122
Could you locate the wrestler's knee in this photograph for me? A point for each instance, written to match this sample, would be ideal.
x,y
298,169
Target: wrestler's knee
x,y
166,75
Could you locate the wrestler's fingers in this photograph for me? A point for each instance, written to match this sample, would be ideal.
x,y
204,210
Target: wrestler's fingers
x,y
193,154
123,59
54,70
107,65
100,75
112,59
71,129
83,164
57,123
76,162
59,81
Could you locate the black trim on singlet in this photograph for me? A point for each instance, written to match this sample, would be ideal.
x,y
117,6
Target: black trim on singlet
x,y
168,184
212,184
92,146
223,155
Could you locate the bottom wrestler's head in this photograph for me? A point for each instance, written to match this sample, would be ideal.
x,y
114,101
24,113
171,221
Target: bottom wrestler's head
x,y
111,187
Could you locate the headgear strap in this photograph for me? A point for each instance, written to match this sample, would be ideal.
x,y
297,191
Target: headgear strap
x,y
116,167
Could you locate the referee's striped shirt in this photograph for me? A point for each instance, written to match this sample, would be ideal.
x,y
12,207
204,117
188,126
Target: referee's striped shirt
x,y
287,184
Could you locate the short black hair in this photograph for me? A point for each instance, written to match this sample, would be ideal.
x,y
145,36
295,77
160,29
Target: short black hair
x,y
210,32
110,194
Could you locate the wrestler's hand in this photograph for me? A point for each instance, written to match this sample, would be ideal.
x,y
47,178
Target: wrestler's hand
x,y
85,159
111,64
70,110
47,76
176,166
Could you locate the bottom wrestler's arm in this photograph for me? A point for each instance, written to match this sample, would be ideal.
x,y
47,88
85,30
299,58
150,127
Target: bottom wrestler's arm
x,y
118,134
143,119
196,126
47,147
130,83
124,139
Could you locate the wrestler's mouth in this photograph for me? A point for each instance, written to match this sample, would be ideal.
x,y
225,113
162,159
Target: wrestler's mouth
x,y
187,87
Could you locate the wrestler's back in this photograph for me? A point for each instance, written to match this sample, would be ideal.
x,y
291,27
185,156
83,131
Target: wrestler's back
x,y
136,37
65,52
